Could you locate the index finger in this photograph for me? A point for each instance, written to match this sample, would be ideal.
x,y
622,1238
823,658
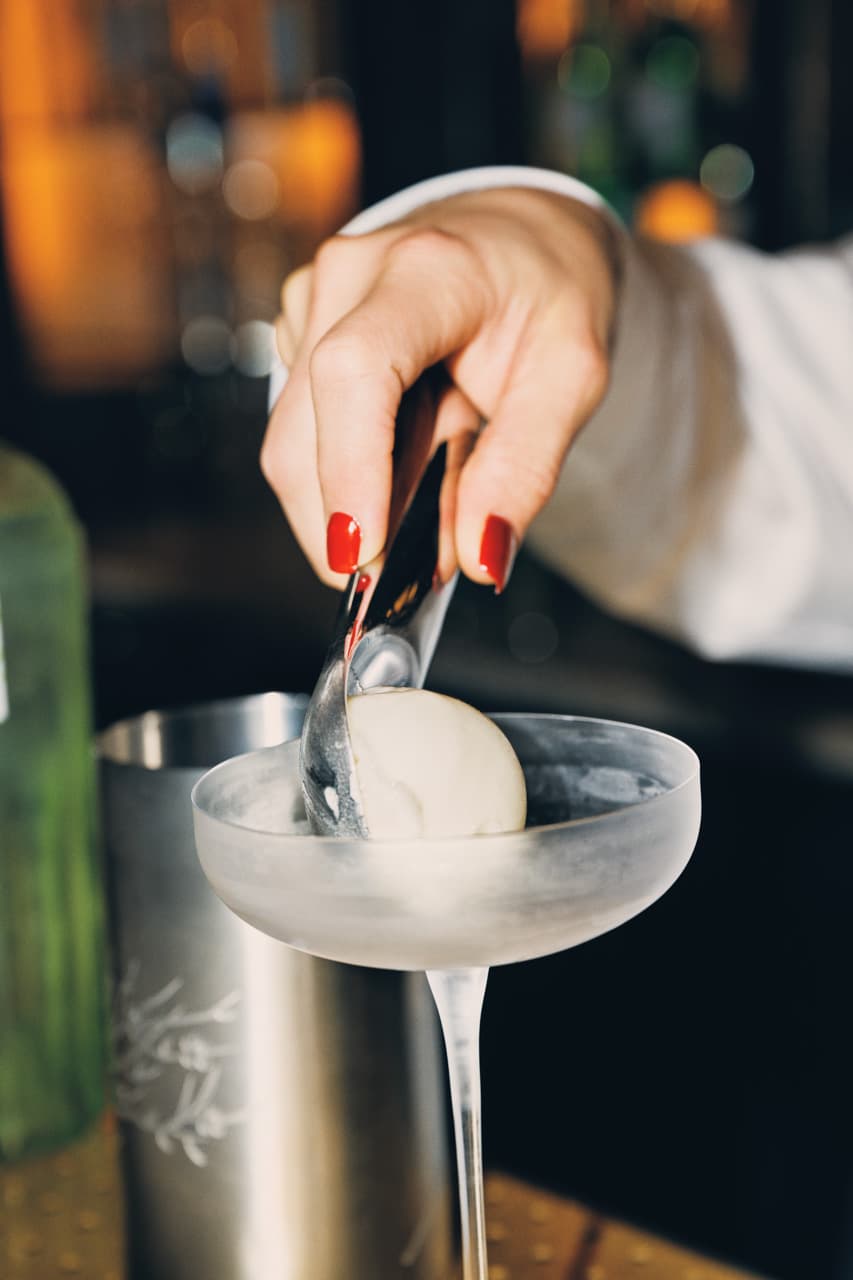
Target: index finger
x,y
362,366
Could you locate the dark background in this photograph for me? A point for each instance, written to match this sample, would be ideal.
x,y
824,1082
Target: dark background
x,y
690,1071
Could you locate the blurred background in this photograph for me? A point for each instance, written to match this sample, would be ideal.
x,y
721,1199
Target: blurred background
x,y
163,165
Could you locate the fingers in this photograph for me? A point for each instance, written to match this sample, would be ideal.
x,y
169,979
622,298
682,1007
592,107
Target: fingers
x,y
506,295
285,341
361,367
288,461
296,295
457,424
314,301
516,463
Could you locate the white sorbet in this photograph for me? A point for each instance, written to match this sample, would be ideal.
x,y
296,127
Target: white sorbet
x,y
429,765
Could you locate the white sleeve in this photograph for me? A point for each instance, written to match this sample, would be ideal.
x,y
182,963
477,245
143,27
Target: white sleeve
x,y
711,496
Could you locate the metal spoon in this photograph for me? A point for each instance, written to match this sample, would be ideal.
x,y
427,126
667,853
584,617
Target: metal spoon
x,y
386,633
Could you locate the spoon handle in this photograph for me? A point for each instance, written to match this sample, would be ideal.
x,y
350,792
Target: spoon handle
x,y
385,633
390,629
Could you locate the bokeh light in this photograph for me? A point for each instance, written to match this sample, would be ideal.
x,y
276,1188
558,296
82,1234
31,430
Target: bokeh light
x,y
312,153
194,153
206,345
676,211
253,348
87,252
584,71
727,172
545,27
208,46
673,63
50,71
250,188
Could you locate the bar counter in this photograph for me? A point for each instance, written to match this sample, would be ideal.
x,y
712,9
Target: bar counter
x,y
62,1215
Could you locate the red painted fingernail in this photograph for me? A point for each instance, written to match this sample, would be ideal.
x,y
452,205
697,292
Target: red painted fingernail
x,y
497,550
343,543
362,584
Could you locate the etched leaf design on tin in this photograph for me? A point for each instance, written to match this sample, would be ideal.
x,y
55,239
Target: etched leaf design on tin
x,y
157,1041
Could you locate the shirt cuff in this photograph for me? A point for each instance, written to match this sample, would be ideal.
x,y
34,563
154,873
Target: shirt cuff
x,y
486,178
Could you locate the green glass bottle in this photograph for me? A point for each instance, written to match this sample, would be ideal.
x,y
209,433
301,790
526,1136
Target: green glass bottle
x,y
52,1008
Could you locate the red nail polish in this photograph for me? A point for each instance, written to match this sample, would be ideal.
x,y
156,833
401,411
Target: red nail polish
x,y
362,584
343,543
497,550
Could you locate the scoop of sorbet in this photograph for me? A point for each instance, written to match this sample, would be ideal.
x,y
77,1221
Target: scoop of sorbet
x,y
428,765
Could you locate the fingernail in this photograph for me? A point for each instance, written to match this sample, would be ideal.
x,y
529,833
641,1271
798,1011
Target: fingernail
x,y
343,543
497,551
362,584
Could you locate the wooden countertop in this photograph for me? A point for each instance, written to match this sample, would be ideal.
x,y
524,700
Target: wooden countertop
x,y
61,1215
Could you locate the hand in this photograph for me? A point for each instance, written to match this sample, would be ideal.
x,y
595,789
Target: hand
x,y
514,290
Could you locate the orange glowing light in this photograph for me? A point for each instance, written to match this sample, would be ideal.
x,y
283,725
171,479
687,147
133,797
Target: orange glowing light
x,y
314,151
208,45
48,61
227,39
326,160
546,27
87,256
676,211
709,14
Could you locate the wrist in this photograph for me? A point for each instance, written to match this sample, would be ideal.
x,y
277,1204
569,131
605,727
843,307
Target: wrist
x,y
600,251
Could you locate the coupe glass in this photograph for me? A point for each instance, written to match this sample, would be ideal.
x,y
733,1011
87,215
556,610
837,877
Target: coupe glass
x,y
613,816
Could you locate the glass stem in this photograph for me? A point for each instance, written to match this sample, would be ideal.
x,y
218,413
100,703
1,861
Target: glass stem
x,y
458,994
